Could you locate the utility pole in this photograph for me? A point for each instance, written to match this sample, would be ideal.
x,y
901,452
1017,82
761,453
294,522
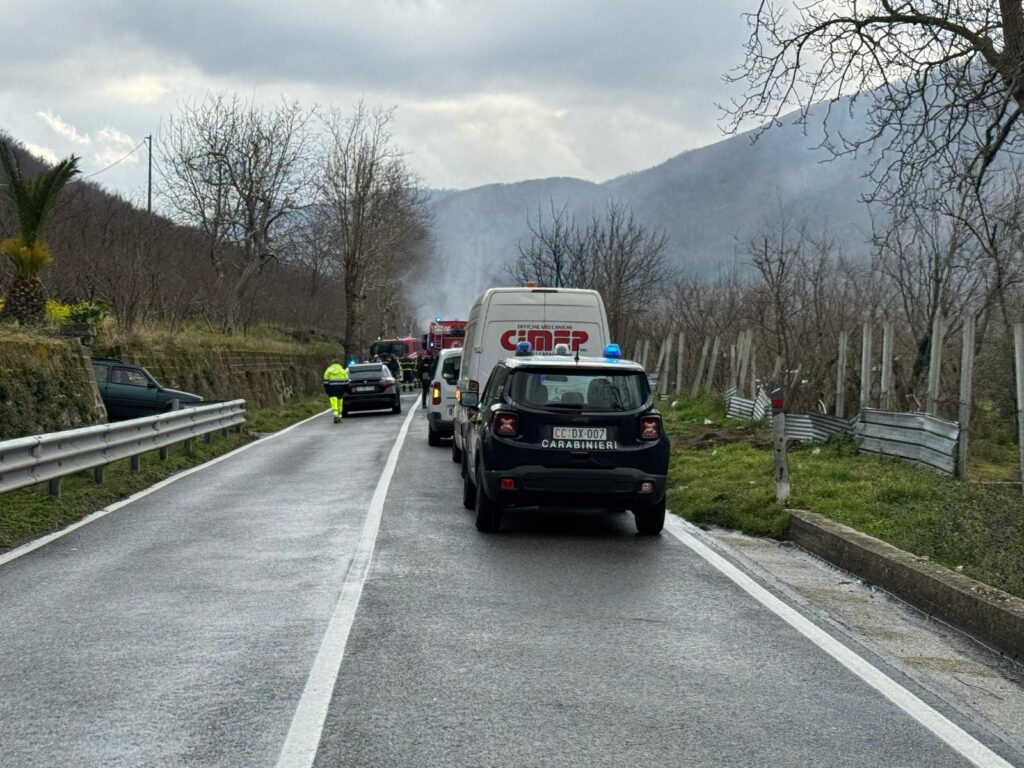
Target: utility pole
x,y
149,179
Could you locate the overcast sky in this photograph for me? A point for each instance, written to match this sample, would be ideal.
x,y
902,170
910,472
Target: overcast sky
x,y
486,90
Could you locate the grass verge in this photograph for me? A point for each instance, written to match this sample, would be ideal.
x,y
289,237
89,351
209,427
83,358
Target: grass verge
x,y
28,513
721,474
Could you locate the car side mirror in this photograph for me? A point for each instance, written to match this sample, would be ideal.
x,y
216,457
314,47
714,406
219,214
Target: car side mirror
x,y
470,399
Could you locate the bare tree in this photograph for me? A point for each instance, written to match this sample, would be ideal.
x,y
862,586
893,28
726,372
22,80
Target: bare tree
x,y
557,252
944,80
375,206
610,252
236,170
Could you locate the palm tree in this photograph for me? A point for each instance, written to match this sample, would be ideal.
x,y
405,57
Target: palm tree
x,y
34,202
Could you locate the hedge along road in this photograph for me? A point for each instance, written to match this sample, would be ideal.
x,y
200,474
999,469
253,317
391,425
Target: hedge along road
x,y
225,620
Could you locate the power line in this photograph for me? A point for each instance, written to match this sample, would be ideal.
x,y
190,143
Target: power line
x,y
116,162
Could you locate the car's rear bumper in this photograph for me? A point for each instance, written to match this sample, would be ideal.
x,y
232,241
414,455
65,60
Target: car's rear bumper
x,y
544,486
371,402
439,425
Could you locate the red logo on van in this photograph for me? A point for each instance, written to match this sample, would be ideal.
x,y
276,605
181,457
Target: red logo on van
x,y
544,341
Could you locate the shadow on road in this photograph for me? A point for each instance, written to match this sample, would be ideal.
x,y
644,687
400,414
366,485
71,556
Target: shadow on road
x,y
573,523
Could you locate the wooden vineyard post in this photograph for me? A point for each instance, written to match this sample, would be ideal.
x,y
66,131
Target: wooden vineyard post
x,y
841,376
935,366
966,395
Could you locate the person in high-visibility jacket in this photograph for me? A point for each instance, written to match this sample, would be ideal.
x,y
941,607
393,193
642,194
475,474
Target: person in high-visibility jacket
x,y
333,376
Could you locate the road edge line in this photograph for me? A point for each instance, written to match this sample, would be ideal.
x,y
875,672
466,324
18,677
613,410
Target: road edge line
x,y
306,729
42,541
935,722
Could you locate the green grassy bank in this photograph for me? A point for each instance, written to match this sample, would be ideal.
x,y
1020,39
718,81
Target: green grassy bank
x,y
721,474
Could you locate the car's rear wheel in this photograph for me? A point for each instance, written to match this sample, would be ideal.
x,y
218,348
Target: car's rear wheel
x,y
456,451
488,511
397,407
432,437
650,518
468,491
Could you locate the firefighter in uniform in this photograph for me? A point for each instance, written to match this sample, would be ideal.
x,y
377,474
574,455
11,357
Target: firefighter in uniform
x,y
333,378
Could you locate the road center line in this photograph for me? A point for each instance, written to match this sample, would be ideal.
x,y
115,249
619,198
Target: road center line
x,y
961,741
303,740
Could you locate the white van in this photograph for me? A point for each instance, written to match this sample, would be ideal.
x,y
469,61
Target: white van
x,y
502,317
441,400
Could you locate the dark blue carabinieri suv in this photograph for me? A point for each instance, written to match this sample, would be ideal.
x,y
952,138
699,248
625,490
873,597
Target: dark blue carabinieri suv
x,y
556,430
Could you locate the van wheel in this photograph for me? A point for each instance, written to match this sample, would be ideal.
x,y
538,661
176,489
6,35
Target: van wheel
x,y
433,438
488,511
468,491
650,519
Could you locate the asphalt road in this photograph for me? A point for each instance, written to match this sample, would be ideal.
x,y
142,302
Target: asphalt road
x,y
187,629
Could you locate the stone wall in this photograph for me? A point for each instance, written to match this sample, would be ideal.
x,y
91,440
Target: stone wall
x,y
46,385
261,379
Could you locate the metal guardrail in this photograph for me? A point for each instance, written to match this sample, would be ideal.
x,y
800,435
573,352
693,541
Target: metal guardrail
x,y
26,461
913,436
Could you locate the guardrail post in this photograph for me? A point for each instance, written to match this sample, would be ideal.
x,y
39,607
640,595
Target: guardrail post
x,y
779,446
163,453
224,432
53,488
135,464
187,443
207,438
99,474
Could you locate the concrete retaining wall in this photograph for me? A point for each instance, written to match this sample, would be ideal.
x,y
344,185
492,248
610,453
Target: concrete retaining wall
x,y
991,615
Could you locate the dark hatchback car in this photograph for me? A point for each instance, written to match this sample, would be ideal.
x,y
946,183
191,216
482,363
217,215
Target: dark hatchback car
x,y
556,431
371,387
130,391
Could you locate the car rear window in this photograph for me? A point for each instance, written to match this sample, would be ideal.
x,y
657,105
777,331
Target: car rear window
x,y
366,372
450,368
601,390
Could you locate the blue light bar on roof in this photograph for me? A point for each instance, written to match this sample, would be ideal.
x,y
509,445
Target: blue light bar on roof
x,y
613,352
524,349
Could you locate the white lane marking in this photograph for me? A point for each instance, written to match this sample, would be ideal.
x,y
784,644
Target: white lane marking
x,y
303,740
961,741
24,549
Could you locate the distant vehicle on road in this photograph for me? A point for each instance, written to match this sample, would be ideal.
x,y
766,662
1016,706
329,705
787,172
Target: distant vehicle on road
x,y
545,317
129,391
441,403
445,334
562,430
371,387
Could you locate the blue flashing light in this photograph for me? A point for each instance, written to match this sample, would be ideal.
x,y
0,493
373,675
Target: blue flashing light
x,y
524,349
437,319
612,352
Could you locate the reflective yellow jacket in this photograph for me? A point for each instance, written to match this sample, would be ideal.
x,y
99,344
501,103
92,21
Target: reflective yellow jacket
x,y
335,373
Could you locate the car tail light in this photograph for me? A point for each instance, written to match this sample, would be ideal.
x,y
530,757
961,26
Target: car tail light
x,y
435,393
387,381
508,484
650,428
505,424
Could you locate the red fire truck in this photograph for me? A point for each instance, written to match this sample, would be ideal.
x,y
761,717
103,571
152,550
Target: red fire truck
x,y
445,334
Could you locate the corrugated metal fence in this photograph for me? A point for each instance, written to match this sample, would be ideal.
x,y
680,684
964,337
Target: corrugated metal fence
x,y
915,437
